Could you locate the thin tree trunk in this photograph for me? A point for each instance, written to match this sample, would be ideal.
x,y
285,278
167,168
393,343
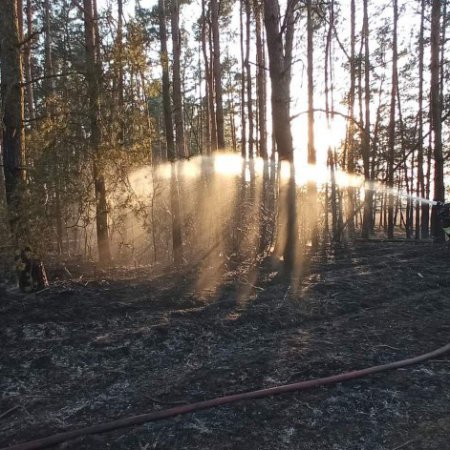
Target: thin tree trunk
x,y
49,88
249,80
436,108
176,68
167,108
120,70
243,115
211,96
170,144
19,10
366,147
351,125
177,240
27,65
209,115
392,128
93,74
334,210
312,159
408,181
310,74
261,82
217,71
421,230
232,122
48,57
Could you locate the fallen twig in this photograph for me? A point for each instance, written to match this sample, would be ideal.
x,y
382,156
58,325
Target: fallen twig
x,y
9,411
388,346
43,290
404,444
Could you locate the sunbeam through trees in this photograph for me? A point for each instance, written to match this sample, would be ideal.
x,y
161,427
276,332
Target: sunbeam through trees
x,y
248,150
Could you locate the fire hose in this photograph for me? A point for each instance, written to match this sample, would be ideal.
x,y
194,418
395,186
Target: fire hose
x,y
206,404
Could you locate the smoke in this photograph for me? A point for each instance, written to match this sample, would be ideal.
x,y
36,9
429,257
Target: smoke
x,y
228,212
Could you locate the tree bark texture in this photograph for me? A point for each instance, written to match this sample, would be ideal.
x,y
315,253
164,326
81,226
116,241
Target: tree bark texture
x,y
93,76
27,64
422,211
206,102
167,104
249,81
367,225
12,106
176,79
242,92
279,43
436,112
261,81
217,72
392,123
310,73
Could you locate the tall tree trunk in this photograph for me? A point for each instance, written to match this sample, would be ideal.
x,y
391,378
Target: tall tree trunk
x,y
249,81
170,143
436,108
12,110
280,43
310,74
27,65
49,85
120,70
428,173
49,89
408,179
179,132
443,53
93,75
176,68
336,197
243,113
210,119
167,107
208,89
280,59
20,18
211,93
421,209
351,123
261,82
217,70
366,145
96,30
392,128
312,159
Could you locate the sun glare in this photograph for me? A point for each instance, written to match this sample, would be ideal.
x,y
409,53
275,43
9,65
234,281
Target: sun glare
x,y
227,164
327,134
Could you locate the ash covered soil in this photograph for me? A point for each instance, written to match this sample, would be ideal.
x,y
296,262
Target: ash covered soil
x,y
126,342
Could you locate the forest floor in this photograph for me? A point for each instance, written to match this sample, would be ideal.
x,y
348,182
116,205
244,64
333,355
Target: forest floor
x,y
119,343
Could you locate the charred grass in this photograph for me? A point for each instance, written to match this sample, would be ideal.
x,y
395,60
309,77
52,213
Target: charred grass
x,y
124,342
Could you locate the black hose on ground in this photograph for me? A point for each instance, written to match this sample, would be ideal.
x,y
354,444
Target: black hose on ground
x,y
184,409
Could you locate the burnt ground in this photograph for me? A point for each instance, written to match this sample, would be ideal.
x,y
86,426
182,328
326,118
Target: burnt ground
x,y
125,342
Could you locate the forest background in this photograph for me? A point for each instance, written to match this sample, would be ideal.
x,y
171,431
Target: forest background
x,y
176,131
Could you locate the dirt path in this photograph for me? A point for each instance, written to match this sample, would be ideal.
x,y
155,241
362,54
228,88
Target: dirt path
x,y
81,354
